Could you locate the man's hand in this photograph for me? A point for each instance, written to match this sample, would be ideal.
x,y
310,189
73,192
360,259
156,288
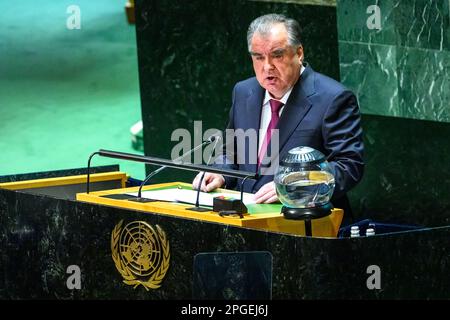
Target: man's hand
x,y
267,194
210,182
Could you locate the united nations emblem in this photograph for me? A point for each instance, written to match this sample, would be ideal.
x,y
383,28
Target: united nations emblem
x,y
140,254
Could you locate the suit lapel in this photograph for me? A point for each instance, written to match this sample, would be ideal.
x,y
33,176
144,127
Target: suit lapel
x,y
253,108
253,114
296,107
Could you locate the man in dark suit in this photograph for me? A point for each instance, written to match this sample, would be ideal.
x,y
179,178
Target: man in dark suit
x,y
308,109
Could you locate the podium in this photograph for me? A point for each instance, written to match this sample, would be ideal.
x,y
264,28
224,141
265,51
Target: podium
x,y
60,243
261,216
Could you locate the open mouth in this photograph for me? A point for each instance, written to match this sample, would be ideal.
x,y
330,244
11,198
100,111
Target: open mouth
x,y
270,78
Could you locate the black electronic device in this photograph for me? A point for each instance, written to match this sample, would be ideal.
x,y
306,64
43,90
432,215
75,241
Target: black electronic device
x,y
223,203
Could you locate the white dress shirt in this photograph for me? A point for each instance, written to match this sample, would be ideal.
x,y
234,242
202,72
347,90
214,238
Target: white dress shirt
x,y
266,112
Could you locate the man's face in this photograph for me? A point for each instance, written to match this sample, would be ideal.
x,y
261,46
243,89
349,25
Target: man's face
x,y
276,63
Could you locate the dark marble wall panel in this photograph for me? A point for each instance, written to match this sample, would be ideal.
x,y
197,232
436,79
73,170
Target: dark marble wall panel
x,y
407,178
191,53
243,275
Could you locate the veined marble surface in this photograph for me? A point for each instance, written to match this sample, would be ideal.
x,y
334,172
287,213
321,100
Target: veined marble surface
x,y
312,2
403,69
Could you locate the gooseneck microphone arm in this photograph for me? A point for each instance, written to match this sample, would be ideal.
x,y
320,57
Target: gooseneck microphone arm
x,y
168,163
89,170
197,201
242,188
152,174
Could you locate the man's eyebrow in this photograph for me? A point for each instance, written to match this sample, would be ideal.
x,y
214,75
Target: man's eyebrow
x,y
279,51
255,53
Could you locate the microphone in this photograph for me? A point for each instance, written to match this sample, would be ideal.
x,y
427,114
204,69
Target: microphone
x,y
197,207
180,158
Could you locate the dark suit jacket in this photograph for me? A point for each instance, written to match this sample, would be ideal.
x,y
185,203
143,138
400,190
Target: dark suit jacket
x,y
320,113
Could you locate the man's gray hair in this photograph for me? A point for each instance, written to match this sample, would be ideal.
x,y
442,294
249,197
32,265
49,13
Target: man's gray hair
x,y
264,24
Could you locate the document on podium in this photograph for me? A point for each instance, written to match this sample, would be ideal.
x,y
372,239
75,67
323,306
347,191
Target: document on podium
x,y
190,196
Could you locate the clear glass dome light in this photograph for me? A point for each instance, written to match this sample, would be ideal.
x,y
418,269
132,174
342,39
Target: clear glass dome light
x,y
304,179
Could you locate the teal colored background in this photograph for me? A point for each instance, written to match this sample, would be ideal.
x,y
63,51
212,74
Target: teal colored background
x,y
66,93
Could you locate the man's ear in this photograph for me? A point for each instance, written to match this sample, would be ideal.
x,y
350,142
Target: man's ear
x,y
300,53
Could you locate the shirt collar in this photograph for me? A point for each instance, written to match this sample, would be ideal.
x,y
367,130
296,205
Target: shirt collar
x,y
284,98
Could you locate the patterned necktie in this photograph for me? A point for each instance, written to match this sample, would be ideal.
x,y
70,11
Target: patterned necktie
x,y
275,106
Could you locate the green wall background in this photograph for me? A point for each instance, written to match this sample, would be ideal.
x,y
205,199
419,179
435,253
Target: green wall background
x,y
401,75
403,69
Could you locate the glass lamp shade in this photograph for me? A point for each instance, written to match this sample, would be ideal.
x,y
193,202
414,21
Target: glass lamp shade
x,y
304,179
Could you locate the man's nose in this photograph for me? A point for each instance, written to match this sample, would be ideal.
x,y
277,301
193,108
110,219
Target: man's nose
x,y
268,64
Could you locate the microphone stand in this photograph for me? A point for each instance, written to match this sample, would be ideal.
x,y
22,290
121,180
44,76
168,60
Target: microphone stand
x,y
197,201
152,174
89,170
243,207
